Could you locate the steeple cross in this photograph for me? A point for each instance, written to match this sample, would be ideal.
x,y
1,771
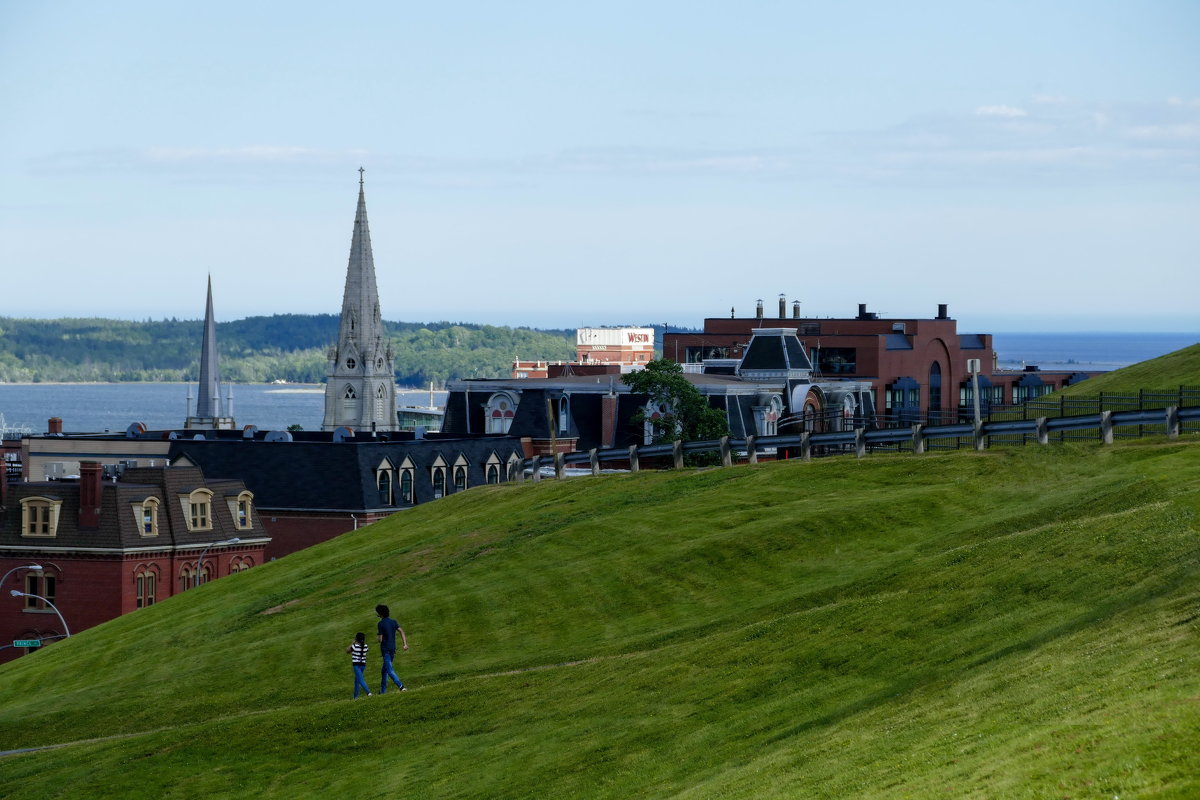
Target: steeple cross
x,y
360,175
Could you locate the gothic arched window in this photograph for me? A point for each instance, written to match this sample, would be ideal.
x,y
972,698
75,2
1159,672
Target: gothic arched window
x,y
499,412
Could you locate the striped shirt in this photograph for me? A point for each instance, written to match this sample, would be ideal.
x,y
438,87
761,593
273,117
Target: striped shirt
x,y
358,653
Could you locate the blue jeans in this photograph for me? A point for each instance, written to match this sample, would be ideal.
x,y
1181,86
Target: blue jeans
x,y
388,672
359,680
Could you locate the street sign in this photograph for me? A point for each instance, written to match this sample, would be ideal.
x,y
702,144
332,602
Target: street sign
x,y
27,643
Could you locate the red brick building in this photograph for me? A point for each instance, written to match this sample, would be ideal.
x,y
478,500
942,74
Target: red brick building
x,y
918,367
105,546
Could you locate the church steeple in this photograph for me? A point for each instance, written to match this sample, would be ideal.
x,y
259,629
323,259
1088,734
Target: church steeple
x,y
209,413
361,388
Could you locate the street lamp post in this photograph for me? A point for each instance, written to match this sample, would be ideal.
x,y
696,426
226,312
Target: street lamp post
x,y
35,567
16,593
200,562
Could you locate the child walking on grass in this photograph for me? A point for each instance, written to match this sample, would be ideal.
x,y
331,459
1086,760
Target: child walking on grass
x,y
358,660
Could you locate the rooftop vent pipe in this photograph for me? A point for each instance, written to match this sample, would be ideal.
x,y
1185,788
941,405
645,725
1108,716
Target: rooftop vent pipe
x,y
796,309
759,312
782,306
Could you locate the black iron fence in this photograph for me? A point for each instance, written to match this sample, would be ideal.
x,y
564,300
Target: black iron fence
x,y
1103,426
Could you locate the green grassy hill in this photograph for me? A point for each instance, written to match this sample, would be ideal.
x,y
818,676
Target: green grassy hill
x,y
1169,372
1019,623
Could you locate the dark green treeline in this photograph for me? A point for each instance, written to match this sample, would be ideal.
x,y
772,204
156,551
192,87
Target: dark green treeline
x,y
290,347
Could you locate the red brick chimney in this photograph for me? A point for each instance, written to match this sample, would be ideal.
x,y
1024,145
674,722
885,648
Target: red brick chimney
x,y
608,420
90,477
54,425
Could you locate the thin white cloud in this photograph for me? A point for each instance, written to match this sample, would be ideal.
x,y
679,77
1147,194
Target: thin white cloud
x,y
255,153
1000,111
1179,132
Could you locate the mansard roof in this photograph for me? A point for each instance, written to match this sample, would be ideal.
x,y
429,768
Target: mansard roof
x,y
774,350
118,525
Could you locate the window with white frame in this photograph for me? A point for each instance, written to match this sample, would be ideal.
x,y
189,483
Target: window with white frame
x,y
491,469
766,417
654,415
460,473
197,509
241,508
437,476
499,412
145,515
39,516
384,477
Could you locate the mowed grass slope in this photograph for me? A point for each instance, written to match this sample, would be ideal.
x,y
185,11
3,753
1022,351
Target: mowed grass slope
x,y
1018,623
1166,373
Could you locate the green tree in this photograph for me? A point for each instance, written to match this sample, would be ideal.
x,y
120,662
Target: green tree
x,y
687,415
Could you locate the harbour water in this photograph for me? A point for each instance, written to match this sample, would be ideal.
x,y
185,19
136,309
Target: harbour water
x,y
115,406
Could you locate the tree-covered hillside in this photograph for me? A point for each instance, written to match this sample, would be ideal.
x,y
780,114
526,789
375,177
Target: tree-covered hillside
x,y
289,347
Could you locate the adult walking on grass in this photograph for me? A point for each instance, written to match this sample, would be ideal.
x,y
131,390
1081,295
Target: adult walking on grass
x,y
358,660
387,646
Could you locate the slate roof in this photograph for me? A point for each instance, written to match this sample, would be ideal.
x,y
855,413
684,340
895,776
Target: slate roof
x,y
336,476
119,527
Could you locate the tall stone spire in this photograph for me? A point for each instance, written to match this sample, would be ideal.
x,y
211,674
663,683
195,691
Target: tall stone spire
x,y
209,413
361,388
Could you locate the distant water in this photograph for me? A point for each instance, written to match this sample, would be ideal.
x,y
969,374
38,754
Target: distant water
x,y
86,407
1087,352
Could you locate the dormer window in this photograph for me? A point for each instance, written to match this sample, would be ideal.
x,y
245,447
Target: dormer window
x,y
460,473
197,510
383,482
437,476
145,516
499,412
39,516
241,509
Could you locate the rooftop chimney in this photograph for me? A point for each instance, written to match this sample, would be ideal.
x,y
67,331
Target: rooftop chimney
x,y
862,310
942,314
782,306
796,309
91,474
54,425
759,312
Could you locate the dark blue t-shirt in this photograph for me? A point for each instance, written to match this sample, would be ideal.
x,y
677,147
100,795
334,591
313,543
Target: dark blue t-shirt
x,y
387,629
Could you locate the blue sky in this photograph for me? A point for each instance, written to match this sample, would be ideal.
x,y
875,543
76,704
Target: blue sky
x,y
1034,165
